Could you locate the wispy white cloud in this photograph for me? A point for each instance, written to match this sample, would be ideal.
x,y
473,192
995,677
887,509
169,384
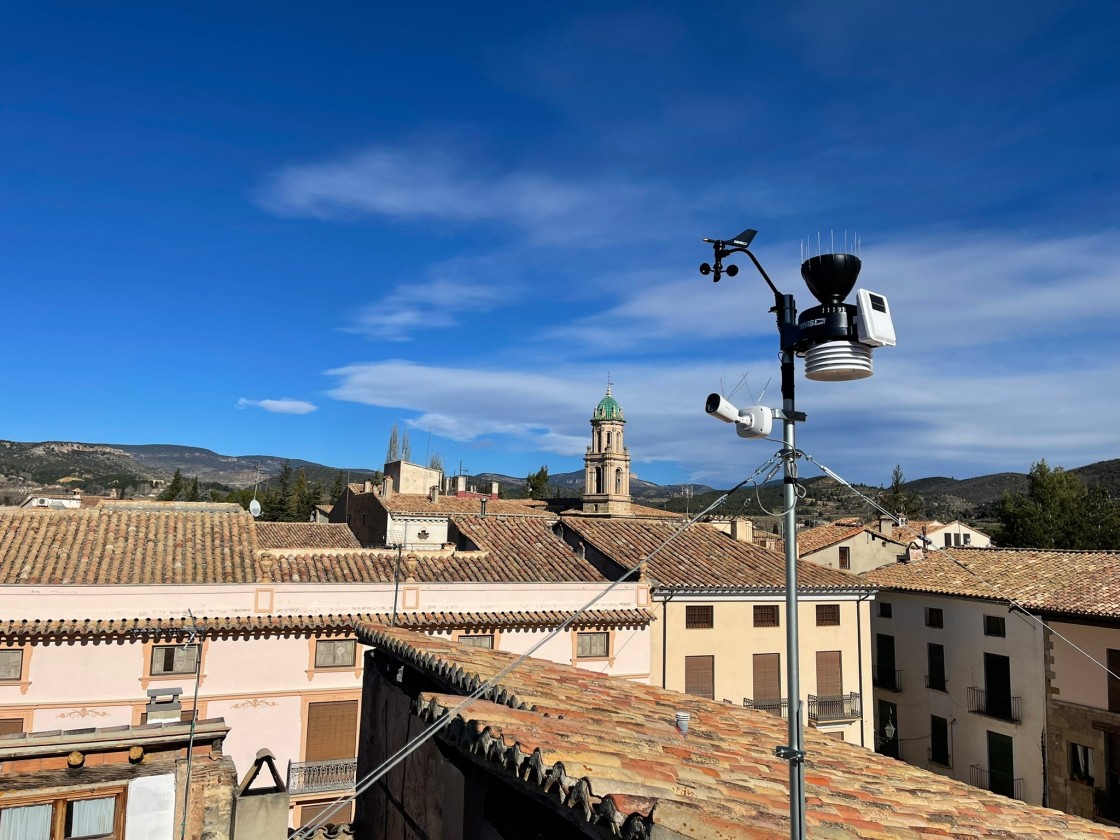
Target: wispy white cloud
x,y
282,406
417,182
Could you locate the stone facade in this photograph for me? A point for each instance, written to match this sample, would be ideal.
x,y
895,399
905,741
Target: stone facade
x,y
607,462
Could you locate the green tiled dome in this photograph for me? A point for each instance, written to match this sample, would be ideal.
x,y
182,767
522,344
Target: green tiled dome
x,y
608,408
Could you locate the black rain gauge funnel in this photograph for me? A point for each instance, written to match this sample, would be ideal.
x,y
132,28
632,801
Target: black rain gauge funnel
x,y
831,277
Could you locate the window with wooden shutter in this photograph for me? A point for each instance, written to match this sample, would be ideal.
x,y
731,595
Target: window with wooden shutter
x,y
11,665
766,615
828,615
845,557
700,676
698,616
11,726
830,681
939,741
332,730
767,676
1113,683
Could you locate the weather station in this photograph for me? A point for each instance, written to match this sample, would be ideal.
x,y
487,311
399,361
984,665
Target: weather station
x,y
836,340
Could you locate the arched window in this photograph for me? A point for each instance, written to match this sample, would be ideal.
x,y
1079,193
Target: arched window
x,y
598,482
618,481
608,441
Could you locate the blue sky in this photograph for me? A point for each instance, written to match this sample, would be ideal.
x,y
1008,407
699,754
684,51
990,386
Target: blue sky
x,y
276,228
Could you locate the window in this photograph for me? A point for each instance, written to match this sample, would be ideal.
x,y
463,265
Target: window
x,y
845,557
939,741
935,617
332,731
885,609
1080,763
480,641
11,726
935,660
334,653
174,659
948,540
830,680
592,645
767,676
700,676
995,625
1113,682
91,818
766,615
11,665
828,615
967,539
698,616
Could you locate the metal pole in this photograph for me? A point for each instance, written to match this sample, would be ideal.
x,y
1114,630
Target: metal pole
x,y
787,316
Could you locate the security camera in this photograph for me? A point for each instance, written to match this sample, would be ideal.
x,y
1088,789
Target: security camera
x,y
721,409
752,422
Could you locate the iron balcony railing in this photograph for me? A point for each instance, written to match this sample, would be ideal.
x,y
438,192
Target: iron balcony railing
x,y
834,708
1106,805
775,706
890,680
315,776
989,704
1001,783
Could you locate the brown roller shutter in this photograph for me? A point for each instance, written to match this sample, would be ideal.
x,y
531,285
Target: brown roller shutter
x,y
700,676
767,676
332,730
11,726
830,683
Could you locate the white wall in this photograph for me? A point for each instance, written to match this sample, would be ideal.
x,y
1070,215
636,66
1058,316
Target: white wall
x,y
150,810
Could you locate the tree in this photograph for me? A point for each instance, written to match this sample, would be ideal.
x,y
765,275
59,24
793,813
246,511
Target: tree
x,y
193,494
897,499
299,503
275,504
393,453
1059,511
436,462
538,483
174,487
406,447
338,488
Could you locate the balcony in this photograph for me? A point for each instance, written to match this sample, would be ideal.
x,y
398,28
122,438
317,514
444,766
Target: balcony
x,y
889,680
337,774
775,706
833,709
1000,706
1000,783
1106,805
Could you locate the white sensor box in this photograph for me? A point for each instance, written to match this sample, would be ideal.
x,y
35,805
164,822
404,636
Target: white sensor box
x,y
873,320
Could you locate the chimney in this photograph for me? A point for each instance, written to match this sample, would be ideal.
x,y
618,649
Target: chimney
x,y
433,493
742,530
493,489
460,484
886,525
387,487
164,705
682,722
367,487
482,503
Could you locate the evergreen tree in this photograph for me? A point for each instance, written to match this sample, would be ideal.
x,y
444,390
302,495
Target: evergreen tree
x,y
393,453
406,447
174,487
193,494
338,488
1059,511
299,503
897,499
538,483
276,502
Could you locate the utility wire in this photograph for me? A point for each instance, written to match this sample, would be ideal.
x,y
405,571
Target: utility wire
x,y
926,546
404,752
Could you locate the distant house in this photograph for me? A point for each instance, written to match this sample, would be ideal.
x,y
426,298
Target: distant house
x,y
934,533
848,545
1022,703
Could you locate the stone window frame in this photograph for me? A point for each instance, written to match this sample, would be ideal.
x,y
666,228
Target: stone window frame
x,y
147,677
314,670
609,658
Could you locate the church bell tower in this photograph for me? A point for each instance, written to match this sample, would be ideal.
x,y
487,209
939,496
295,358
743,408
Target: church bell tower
x,y
606,483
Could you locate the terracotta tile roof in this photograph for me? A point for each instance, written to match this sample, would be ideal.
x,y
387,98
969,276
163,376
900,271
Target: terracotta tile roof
x,y
912,530
507,550
112,544
1075,582
338,622
611,748
305,535
408,503
700,556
